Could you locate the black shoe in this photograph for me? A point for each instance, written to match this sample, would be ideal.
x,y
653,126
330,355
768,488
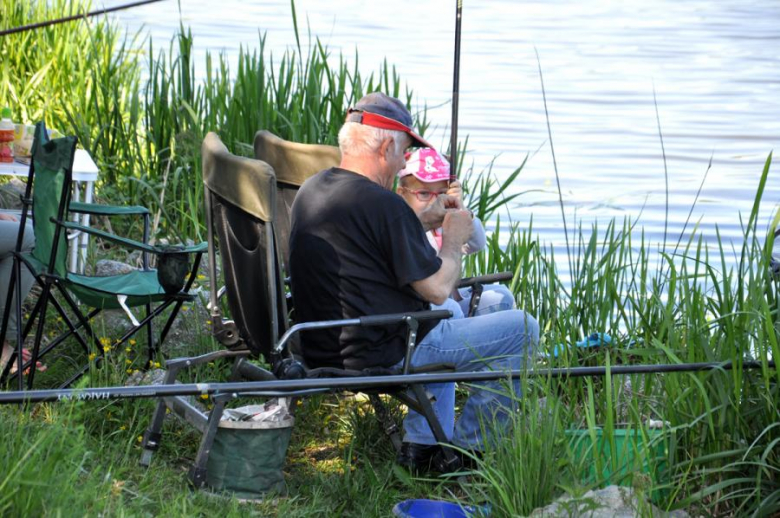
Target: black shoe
x,y
417,457
458,461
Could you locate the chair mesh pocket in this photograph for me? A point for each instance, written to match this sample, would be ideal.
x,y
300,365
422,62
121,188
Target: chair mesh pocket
x,y
172,268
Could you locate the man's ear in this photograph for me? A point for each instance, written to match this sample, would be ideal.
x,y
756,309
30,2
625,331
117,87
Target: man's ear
x,y
385,148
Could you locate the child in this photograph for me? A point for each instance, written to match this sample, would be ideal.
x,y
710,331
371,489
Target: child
x,y
426,176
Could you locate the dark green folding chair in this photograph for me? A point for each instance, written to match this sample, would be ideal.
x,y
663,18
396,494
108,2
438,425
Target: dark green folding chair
x,y
48,193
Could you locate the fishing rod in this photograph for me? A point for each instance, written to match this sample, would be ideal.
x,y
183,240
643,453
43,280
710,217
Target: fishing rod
x,y
71,18
455,91
295,387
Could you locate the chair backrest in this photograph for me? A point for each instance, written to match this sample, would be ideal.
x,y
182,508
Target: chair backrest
x,y
240,204
292,164
50,177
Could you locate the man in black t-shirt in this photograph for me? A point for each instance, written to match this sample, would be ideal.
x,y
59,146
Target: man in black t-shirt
x,y
356,248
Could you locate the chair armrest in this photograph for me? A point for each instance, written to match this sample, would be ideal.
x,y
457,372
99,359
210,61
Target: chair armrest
x,y
130,243
371,320
105,210
400,318
485,279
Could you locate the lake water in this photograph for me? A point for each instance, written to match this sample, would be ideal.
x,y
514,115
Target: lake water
x,y
714,66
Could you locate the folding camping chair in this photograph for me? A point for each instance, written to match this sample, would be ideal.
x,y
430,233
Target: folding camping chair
x,y
48,194
240,211
293,163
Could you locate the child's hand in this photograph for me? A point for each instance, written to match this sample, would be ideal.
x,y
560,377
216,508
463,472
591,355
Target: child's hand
x,y
456,191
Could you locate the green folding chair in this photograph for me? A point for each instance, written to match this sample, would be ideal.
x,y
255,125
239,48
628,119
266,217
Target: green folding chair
x,y
48,194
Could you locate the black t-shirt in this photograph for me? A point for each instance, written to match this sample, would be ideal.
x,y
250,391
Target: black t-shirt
x,y
355,247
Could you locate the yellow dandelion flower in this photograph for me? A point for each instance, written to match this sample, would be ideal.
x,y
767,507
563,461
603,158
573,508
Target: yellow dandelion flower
x,y
104,341
204,396
123,427
135,370
128,362
129,371
157,364
208,322
140,438
106,348
185,308
201,277
132,341
92,356
128,350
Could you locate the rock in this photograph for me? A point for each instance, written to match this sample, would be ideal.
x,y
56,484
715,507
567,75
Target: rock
x,y
10,193
150,377
135,258
106,268
610,502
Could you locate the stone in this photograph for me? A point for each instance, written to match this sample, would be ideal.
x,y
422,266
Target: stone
x,y
150,377
107,268
610,502
10,193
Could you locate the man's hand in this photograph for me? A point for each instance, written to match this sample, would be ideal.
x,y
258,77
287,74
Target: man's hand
x,y
7,217
457,227
456,230
432,216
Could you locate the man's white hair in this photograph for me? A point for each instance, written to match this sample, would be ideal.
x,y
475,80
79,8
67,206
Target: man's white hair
x,y
357,139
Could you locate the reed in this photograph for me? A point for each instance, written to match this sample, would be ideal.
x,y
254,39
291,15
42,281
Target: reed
x,y
142,111
695,306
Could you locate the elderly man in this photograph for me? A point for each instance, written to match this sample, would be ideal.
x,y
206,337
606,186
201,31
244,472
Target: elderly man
x,y
356,248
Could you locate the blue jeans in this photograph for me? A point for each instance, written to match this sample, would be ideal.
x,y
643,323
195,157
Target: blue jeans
x,y
498,341
495,297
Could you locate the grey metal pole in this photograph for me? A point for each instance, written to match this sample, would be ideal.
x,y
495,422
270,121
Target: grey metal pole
x,y
47,23
455,93
308,386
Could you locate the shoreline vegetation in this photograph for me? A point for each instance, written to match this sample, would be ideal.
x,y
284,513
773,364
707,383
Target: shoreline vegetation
x,y
141,113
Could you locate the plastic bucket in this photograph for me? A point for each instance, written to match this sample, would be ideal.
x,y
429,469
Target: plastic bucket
x,y
420,508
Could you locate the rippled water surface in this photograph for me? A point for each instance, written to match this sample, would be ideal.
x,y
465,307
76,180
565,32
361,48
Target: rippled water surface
x,y
714,66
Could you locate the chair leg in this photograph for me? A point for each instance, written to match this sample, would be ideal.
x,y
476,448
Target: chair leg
x,y
150,345
386,420
73,328
6,316
169,323
153,435
197,473
185,289
451,461
38,337
84,320
476,295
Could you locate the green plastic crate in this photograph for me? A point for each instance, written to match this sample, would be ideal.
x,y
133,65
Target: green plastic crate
x,y
605,460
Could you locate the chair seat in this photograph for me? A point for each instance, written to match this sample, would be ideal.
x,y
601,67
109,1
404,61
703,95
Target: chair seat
x,y
140,287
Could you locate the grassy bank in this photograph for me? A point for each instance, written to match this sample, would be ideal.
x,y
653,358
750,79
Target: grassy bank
x,y
719,430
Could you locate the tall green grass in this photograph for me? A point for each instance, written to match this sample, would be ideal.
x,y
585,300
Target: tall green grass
x,y
85,78
686,305
697,306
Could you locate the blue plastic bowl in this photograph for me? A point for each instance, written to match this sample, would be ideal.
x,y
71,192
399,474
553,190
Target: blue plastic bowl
x,y
437,509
